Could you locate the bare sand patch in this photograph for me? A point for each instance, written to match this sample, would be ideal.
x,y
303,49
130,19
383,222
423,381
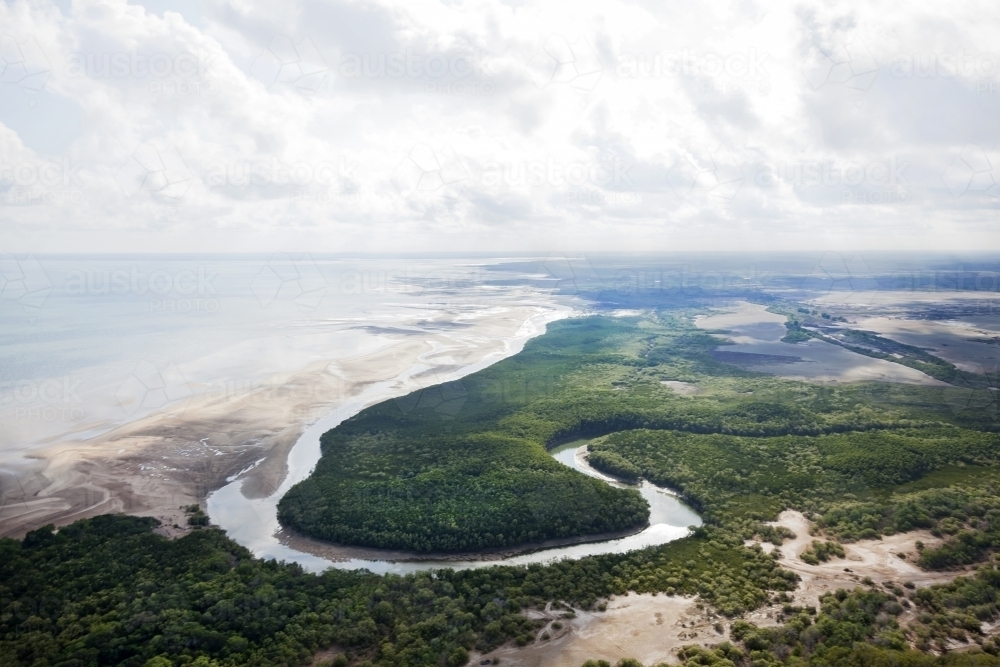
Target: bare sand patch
x,y
877,559
682,388
651,628
154,465
647,627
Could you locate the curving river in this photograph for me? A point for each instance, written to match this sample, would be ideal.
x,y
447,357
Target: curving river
x,y
665,508
253,522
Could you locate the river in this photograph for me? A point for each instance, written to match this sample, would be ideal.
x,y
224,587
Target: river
x,y
254,523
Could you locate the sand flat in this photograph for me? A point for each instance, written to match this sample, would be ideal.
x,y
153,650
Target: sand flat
x,y
178,455
651,628
682,388
877,559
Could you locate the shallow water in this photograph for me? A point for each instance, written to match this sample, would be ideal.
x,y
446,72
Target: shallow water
x,y
90,343
755,331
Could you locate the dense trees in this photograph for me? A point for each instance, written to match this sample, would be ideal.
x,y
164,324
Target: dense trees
x,y
108,591
729,476
405,475
464,467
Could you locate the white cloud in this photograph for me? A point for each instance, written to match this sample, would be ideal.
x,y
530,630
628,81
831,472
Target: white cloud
x,y
481,125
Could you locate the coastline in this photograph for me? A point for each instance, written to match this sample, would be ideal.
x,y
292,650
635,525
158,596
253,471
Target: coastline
x,y
184,452
253,522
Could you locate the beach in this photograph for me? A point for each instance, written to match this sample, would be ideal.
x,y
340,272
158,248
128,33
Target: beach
x,y
241,409
172,458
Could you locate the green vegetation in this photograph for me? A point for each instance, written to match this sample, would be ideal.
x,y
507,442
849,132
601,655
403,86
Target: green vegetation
x,y
731,477
408,475
796,334
108,591
861,627
400,475
613,464
820,552
465,467
966,514
195,516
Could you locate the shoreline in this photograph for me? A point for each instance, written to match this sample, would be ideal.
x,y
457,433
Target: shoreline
x,y
183,453
253,522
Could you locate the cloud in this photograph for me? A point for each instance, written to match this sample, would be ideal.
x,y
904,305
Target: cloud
x,y
429,126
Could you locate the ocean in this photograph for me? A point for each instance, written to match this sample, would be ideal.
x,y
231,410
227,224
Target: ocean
x,y
89,343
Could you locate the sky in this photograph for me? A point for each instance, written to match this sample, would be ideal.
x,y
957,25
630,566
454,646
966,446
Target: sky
x,y
427,126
